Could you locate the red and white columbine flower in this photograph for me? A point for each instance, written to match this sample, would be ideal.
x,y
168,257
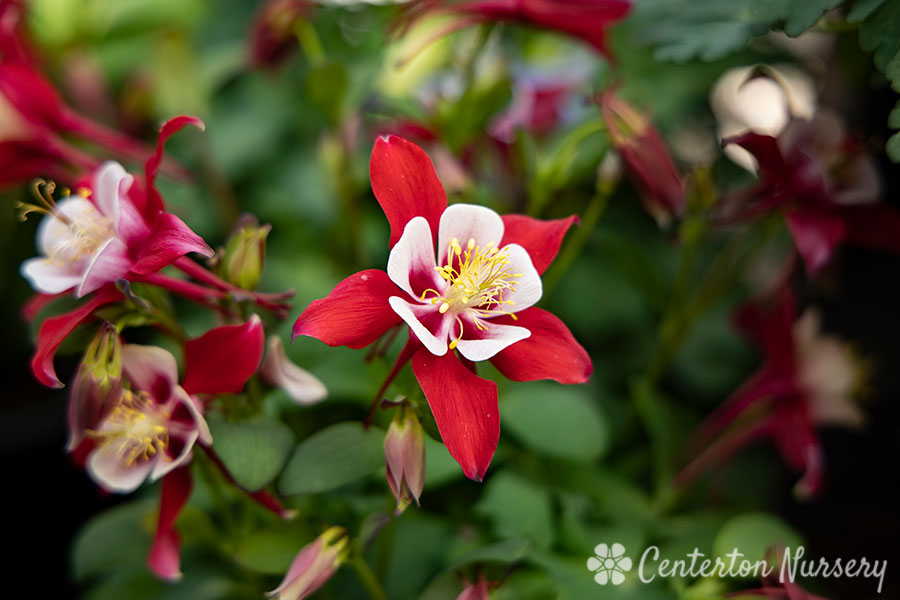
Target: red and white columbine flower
x,y
116,229
151,428
474,296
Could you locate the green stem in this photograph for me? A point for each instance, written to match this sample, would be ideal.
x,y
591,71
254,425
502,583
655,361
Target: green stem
x,y
573,248
367,578
310,42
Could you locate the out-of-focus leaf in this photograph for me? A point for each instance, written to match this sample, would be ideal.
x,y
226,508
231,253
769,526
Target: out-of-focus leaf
x,y
253,451
506,552
440,468
556,420
333,457
518,509
115,539
269,551
753,535
325,87
417,553
880,33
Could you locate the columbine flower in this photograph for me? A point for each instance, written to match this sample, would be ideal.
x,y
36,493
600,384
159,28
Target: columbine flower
x,y
807,380
404,453
474,296
760,99
587,20
479,590
313,566
644,153
610,564
117,228
822,184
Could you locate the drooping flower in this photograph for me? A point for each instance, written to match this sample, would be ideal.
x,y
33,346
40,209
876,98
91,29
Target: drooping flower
x,y
807,381
537,107
475,296
313,566
586,20
116,229
824,185
404,453
646,157
148,429
480,589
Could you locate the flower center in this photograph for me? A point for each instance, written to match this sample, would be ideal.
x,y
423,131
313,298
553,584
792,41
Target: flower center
x,y
135,427
480,280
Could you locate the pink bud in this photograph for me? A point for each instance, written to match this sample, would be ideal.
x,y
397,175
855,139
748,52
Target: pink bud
x,y
404,452
97,383
480,590
313,566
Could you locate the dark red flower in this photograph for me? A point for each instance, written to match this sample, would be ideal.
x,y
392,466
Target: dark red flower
x,y
806,381
587,20
645,155
272,35
822,184
475,297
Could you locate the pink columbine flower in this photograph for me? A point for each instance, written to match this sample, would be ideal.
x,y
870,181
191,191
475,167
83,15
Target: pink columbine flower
x,y
824,186
313,566
152,426
473,296
806,381
404,453
117,229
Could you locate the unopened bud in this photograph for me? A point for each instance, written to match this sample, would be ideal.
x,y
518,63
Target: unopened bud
x,y
314,565
404,452
245,255
97,381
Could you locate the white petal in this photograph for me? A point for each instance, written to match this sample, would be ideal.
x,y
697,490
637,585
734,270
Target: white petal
x,y
602,577
529,288
49,276
105,466
624,564
436,342
164,467
496,338
278,370
601,550
109,263
593,563
465,222
145,365
413,255
617,578
106,189
617,550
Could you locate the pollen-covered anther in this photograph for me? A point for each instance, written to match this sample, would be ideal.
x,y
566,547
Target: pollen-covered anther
x,y
135,428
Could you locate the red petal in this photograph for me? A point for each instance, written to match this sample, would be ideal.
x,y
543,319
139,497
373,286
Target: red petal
x,y
550,353
171,239
37,303
765,150
874,226
405,184
355,313
816,235
165,555
56,329
465,409
222,360
796,439
540,238
154,203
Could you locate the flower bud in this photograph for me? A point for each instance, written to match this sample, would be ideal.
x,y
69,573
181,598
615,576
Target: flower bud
x,y
404,452
478,590
97,381
245,254
645,155
314,565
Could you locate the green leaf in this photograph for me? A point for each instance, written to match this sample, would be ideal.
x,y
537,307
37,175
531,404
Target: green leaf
x,y
112,540
333,457
861,9
506,552
326,86
253,451
880,34
518,509
556,420
893,147
269,551
754,535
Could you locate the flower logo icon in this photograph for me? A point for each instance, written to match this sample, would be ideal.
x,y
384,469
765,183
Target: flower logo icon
x,y
609,564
